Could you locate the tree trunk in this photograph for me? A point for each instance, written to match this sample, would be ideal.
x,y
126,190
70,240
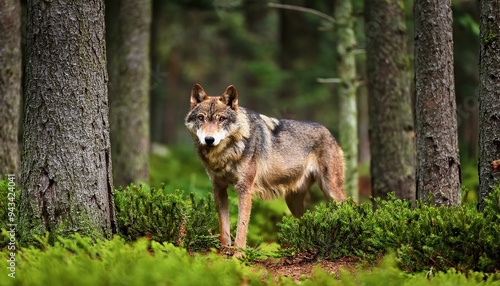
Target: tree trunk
x,y
128,26
66,165
348,125
438,163
392,137
10,85
489,99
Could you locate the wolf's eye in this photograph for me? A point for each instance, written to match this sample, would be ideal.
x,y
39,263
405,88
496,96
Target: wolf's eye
x,y
222,119
201,117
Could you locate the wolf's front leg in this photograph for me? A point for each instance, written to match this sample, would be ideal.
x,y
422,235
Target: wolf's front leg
x,y
222,204
244,209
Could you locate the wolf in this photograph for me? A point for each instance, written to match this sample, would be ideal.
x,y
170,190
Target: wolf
x,y
261,156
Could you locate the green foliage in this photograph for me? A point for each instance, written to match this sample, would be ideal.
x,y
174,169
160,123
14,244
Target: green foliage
x,y
79,261
83,261
388,274
332,230
169,217
424,237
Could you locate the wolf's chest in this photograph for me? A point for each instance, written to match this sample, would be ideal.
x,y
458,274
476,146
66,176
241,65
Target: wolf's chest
x,y
224,163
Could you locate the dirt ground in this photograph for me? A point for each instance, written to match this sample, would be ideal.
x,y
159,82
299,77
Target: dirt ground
x,y
301,266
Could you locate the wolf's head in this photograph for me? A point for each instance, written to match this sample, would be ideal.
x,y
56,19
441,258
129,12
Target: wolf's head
x,y
212,118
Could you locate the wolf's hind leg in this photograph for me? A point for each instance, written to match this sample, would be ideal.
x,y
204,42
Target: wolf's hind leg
x,y
295,202
332,180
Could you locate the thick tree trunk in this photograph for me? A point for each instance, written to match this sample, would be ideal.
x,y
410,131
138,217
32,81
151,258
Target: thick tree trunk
x,y
489,99
392,137
348,123
128,26
10,85
66,164
438,163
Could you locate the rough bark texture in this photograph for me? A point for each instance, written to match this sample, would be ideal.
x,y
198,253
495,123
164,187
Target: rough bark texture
x,y
128,26
66,165
489,99
10,85
348,137
392,137
438,164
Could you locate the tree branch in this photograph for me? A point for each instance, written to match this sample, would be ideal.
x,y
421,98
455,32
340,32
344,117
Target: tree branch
x,y
302,9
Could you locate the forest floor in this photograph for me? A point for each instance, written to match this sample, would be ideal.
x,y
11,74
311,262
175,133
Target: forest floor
x,y
302,266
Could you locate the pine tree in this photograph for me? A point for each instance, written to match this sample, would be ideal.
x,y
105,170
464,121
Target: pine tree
x,y
489,100
128,26
66,161
438,163
392,136
10,85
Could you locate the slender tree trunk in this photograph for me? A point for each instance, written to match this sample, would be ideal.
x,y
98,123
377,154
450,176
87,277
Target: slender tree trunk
x,y
489,99
128,26
438,163
10,85
392,137
66,164
346,43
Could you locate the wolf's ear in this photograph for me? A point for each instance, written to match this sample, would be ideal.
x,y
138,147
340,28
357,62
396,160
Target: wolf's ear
x,y
198,95
230,97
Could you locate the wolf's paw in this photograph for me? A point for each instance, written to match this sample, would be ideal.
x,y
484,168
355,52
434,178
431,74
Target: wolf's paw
x,y
238,254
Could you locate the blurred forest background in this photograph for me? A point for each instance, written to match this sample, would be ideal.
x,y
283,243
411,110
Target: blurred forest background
x,y
275,56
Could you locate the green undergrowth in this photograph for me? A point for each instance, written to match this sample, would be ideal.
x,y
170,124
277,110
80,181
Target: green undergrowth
x,y
82,261
156,213
423,237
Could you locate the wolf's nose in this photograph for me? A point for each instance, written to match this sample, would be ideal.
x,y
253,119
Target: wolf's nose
x,y
209,140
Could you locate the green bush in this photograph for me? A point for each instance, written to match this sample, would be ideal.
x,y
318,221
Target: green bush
x,y
331,231
424,237
168,217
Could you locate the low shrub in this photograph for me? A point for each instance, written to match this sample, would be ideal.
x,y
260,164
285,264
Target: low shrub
x,y
423,237
165,216
331,231
80,261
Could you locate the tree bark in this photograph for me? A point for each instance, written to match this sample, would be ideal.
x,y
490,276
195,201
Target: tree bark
x,y
438,163
489,99
66,165
128,26
10,85
392,136
346,43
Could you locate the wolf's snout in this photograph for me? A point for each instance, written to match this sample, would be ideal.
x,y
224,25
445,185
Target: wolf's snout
x,y
209,140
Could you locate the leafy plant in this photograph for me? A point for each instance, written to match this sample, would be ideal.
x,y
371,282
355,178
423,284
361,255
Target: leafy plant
x,y
423,237
142,211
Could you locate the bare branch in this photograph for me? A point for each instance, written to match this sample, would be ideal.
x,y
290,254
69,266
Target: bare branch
x,y
329,80
302,9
